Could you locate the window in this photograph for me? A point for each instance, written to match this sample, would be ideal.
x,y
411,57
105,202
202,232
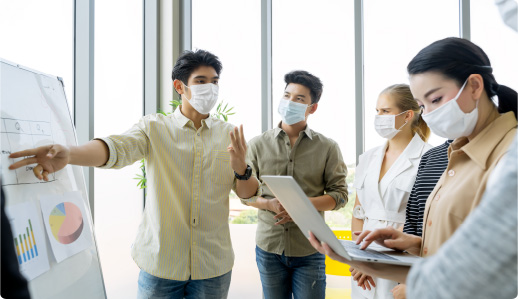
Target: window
x,y
395,31
498,40
320,39
118,105
214,29
232,31
39,35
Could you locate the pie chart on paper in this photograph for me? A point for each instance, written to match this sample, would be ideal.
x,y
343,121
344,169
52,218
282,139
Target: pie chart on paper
x,y
66,222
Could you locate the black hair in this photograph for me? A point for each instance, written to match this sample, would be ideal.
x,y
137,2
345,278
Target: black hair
x,y
307,79
191,60
457,59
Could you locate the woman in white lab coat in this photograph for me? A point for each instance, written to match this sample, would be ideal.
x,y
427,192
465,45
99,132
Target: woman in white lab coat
x,y
385,175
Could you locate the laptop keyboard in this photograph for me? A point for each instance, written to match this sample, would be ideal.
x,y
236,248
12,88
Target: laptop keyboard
x,y
354,250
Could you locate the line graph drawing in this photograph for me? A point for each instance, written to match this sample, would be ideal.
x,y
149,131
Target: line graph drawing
x,y
17,135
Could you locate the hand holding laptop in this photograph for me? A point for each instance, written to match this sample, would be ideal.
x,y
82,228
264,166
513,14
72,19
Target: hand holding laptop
x,y
387,271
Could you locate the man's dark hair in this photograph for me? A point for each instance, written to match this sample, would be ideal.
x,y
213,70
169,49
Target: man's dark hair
x,y
307,79
191,60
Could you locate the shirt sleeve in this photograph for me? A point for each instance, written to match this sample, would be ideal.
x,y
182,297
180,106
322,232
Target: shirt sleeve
x,y
128,147
480,259
335,177
251,159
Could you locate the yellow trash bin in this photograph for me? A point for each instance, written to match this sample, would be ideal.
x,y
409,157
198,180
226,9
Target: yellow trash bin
x,y
338,269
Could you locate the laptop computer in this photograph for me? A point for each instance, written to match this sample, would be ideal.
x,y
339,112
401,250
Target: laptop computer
x,y
304,214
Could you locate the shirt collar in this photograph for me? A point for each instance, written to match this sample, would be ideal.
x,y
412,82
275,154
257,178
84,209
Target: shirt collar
x,y
180,117
412,150
183,120
480,148
209,121
308,132
415,147
278,130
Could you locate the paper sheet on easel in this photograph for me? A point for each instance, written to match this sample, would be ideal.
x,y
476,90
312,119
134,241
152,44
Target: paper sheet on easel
x,y
65,220
28,239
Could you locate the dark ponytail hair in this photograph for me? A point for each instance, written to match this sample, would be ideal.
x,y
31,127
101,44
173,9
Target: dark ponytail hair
x,y
457,59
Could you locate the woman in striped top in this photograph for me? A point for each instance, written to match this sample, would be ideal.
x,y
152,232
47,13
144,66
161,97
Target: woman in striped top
x,y
432,165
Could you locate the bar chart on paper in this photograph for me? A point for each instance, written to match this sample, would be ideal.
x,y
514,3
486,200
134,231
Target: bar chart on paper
x,y
66,222
29,239
26,247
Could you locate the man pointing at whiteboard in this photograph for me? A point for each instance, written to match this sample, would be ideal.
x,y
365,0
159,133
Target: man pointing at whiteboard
x,y
183,245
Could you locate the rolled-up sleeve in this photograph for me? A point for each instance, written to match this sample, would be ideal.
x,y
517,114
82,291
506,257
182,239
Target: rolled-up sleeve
x,y
257,192
128,147
335,176
251,159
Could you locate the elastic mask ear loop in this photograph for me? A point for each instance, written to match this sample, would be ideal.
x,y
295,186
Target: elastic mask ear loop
x,y
185,94
476,104
405,121
402,125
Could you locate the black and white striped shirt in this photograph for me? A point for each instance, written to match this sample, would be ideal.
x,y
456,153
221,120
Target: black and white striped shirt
x,y
432,165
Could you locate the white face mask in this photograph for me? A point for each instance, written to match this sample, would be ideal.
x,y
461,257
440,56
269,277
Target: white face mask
x,y
203,97
449,121
385,125
291,112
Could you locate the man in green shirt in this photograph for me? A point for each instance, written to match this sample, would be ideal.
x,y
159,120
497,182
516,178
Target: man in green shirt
x,y
287,262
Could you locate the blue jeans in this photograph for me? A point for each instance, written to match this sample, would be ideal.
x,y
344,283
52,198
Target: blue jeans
x,y
282,276
150,286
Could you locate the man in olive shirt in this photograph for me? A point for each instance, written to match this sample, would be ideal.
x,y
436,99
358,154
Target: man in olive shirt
x,y
287,262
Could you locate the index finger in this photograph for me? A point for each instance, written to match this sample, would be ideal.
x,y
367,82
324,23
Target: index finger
x,y
370,237
24,153
242,135
361,236
281,214
237,133
233,140
283,220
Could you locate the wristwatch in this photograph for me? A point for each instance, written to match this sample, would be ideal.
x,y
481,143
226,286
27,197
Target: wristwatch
x,y
246,176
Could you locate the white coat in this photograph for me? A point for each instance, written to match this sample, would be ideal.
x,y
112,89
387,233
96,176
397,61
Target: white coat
x,y
384,204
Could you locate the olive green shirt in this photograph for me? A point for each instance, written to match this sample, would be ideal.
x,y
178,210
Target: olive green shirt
x,y
315,162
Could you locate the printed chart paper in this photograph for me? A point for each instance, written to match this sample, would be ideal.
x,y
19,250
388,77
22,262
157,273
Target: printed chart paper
x,y
28,239
66,223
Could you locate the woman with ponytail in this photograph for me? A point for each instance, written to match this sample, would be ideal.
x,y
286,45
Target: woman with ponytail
x,y
482,131
452,80
385,175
